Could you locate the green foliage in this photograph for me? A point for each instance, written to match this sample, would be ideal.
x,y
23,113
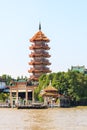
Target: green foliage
x,y
22,78
7,78
4,96
72,84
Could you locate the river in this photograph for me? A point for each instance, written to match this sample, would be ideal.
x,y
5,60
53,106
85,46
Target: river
x,y
43,119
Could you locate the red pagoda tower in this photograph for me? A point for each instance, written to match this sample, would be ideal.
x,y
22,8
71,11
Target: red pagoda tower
x,y
39,54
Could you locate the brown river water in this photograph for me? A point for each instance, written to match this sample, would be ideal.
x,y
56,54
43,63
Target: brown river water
x,y
43,119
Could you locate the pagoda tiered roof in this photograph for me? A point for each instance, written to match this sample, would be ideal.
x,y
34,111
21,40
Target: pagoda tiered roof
x,y
39,36
39,54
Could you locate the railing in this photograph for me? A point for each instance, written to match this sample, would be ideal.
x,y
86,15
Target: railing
x,y
4,105
39,47
44,54
39,69
34,76
39,62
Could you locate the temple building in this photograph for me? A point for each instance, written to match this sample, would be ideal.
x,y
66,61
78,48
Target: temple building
x,y
21,92
39,55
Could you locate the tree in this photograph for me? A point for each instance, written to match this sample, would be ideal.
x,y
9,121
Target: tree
x,y
72,84
7,78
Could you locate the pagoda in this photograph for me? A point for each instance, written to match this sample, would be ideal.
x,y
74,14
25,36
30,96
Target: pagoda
x,y
39,55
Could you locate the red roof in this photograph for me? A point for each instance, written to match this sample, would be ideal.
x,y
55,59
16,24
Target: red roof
x,y
39,36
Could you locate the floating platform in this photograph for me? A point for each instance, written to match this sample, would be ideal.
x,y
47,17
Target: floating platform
x,y
4,106
33,106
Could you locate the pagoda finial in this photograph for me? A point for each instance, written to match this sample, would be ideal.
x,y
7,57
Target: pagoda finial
x,y
39,26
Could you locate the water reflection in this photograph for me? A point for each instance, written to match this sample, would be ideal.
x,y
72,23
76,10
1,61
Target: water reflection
x,y
46,119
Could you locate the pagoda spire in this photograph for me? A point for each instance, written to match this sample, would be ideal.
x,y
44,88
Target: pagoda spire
x,y
39,26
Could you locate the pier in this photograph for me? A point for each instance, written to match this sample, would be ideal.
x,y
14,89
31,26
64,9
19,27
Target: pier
x,y
33,106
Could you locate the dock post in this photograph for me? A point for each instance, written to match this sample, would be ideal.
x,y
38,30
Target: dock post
x,y
26,96
11,101
33,96
17,96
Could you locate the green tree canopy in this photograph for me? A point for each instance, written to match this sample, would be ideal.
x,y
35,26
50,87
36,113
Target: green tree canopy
x,y
72,84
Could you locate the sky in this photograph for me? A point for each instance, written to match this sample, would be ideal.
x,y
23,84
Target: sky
x,y
64,22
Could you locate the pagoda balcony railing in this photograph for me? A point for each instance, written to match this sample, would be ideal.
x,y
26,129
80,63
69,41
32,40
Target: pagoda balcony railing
x,y
39,70
37,62
32,76
40,60
41,54
39,47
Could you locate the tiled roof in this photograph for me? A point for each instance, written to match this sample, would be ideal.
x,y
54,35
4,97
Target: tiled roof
x,y
39,36
50,88
21,80
49,94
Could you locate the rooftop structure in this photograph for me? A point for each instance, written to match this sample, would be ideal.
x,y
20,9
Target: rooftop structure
x,y
50,94
50,91
39,54
81,69
21,92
